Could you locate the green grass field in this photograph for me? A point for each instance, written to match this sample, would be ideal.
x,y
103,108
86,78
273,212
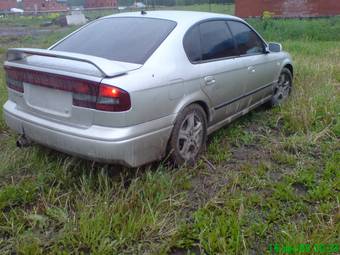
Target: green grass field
x,y
26,21
218,8
269,180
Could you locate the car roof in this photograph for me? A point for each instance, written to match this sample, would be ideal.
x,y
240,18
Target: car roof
x,y
181,17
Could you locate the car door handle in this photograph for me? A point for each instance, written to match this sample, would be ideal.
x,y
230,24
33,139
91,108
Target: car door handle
x,y
252,69
209,80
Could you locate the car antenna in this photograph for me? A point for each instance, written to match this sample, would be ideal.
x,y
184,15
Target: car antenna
x,y
143,12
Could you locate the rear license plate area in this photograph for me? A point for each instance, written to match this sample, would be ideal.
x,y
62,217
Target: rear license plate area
x,y
48,100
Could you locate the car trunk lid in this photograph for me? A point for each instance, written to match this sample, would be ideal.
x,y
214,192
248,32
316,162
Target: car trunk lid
x,y
58,85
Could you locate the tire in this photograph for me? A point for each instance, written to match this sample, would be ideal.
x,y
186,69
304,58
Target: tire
x,y
188,138
282,89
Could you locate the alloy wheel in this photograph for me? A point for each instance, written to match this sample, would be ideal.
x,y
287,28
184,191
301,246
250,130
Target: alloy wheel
x,y
283,88
190,136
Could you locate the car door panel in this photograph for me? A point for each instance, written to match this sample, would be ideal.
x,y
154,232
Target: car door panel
x,y
260,76
221,72
228,87
258,66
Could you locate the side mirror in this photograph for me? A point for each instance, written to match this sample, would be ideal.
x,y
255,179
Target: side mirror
x,y
273,47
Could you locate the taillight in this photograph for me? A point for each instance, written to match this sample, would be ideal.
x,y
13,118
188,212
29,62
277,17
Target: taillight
x,y
13,80
112,99
86,93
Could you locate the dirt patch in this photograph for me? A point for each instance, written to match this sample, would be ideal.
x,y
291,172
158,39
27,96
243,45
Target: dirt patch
x,y
205,186
209,182
299,188
250,154
181,251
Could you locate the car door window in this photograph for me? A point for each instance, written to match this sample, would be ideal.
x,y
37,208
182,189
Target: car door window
x,y
192,44
216,40
248,42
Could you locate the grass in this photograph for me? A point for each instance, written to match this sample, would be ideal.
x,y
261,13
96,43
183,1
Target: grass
x,y
304,29
27,21
268,182
218,8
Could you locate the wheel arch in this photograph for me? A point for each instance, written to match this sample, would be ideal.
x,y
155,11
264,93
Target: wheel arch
x,y
196,97
204,106
290,68
172,146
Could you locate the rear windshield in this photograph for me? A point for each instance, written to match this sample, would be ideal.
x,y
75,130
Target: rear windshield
x,y
125,39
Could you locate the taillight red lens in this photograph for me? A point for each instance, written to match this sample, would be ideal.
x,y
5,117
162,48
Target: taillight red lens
x,y
113,99
13,80
54,81
109,91
86,93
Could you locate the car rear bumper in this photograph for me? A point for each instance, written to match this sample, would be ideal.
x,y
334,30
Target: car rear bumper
x,y
131,146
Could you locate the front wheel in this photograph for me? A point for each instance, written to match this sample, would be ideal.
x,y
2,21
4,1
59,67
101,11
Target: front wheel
x,y
188,137
283,87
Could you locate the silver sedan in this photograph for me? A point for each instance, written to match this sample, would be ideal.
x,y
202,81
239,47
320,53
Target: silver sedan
x,y
134,87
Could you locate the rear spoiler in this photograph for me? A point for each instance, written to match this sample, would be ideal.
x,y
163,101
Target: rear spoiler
x,y
107,67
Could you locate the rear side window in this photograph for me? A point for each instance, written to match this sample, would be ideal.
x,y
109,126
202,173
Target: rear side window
x,y
192,44
216,40
248,42
125,39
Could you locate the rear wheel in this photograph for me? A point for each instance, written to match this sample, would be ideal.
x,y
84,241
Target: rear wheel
x,y
188,137
282,88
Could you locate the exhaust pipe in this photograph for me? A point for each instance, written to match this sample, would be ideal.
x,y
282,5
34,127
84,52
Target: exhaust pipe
x,y
23,142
